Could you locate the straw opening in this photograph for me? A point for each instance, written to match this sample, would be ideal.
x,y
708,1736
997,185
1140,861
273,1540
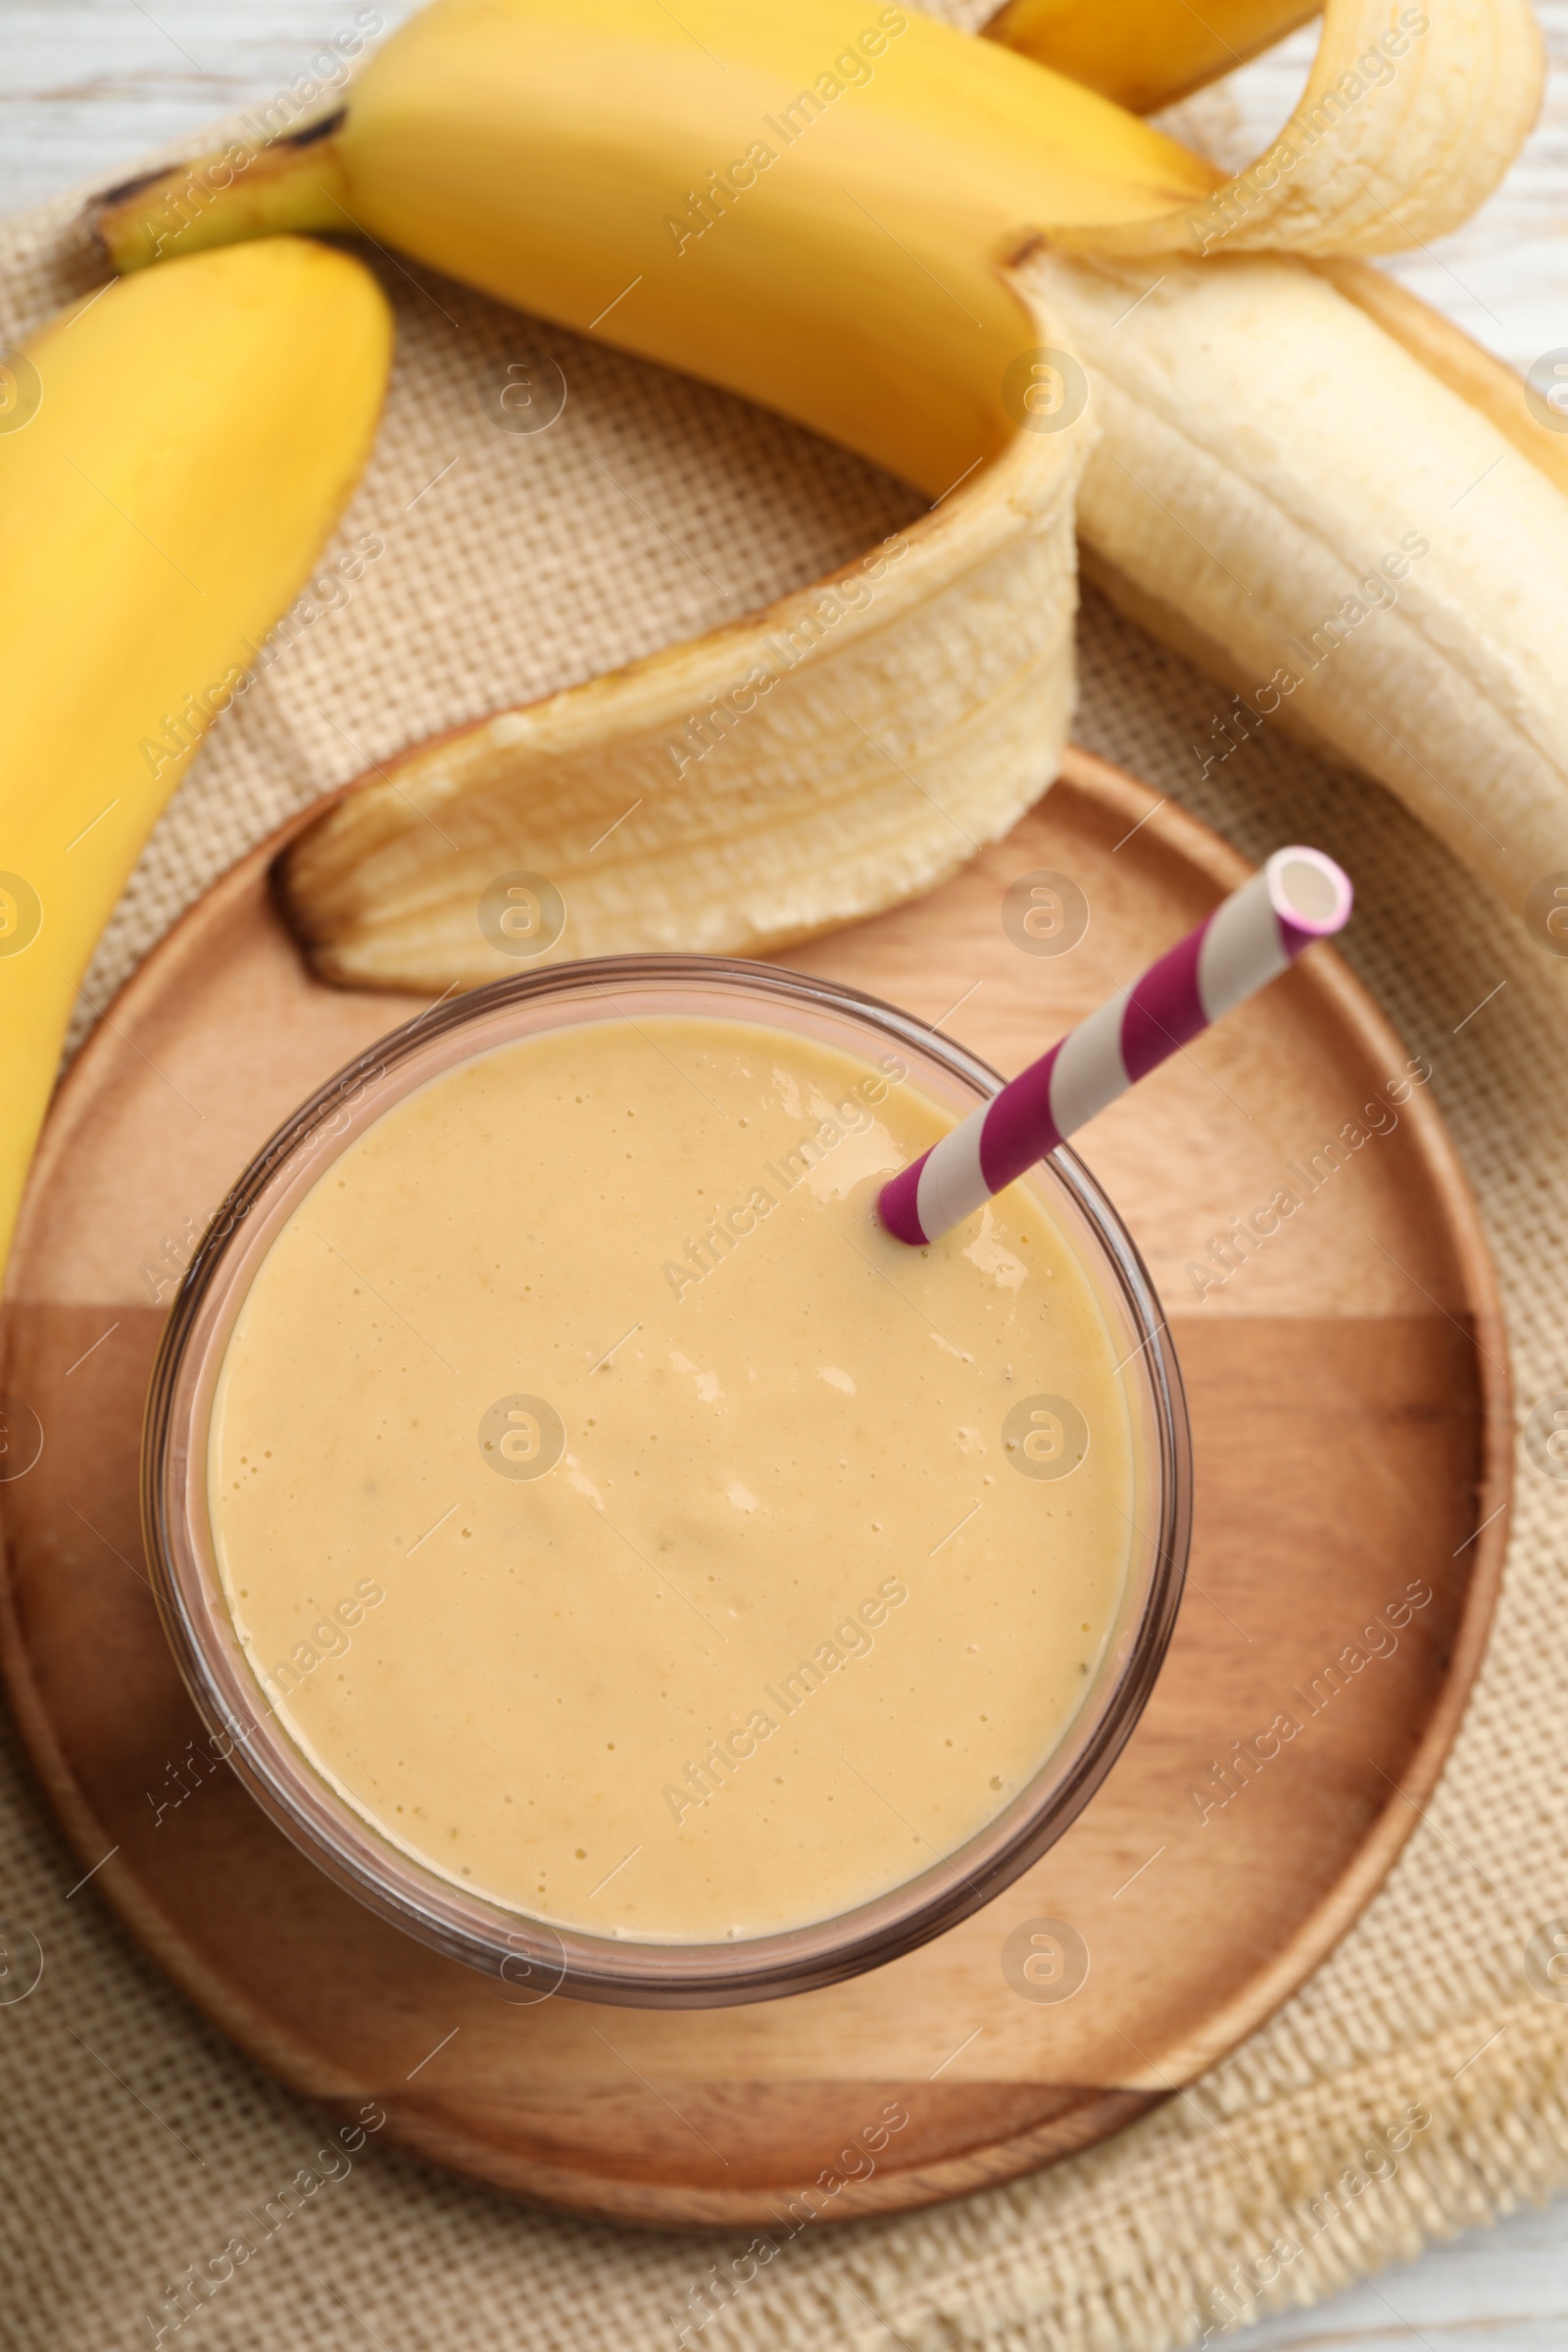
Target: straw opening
x,y
1309,890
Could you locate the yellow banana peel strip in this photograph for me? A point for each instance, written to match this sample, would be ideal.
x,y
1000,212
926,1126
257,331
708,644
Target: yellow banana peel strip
x,y
788,218
1410,117
846,748
1147,57
810,205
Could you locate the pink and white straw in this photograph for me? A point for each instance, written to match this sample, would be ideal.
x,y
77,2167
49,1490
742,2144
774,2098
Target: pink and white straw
x,y
1250,937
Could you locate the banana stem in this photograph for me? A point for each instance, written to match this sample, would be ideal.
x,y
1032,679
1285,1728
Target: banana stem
x,y
297,182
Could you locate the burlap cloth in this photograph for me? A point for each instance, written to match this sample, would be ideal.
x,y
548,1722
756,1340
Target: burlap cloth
x,y
654,509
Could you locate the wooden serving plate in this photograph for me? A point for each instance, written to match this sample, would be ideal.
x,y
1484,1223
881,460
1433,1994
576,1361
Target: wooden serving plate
x,y
1350,1414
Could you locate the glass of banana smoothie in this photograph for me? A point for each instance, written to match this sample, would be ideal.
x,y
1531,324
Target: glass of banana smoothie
x,y
612,1555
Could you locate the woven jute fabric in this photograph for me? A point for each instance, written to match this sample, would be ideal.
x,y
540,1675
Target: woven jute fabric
x,y
133,2134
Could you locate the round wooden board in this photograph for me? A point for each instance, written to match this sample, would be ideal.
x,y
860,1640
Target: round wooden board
x,y
1351,1425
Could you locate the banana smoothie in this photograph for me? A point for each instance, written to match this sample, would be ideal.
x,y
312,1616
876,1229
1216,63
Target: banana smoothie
x,y
631,1530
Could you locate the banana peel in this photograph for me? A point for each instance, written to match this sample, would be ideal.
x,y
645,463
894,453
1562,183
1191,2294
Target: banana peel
x,y
1409,119
796,215
794,223
1145,62
846,748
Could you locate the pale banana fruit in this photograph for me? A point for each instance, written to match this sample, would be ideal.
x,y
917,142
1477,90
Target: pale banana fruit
x,y
845,749
1445,352
1356,549
174,453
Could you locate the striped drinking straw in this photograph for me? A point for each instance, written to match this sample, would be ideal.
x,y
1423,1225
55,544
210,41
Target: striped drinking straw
x,y
1250,937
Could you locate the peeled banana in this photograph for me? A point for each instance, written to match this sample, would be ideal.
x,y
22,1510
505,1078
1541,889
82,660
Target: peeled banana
x,y
913,241
1482,381
812,205
175,452
1363,556
797,227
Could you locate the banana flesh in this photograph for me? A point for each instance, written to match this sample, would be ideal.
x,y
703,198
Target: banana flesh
x,y
1445,351
160,506
845,749
1357,550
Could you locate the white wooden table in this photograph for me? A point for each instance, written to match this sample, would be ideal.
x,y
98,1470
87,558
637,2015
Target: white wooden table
x,y
87,85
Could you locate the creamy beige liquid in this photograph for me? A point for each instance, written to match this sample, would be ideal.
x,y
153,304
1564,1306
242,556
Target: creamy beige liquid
x,y
790,1616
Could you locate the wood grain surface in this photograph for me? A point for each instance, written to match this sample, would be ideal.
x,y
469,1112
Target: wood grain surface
x,y
1351,1424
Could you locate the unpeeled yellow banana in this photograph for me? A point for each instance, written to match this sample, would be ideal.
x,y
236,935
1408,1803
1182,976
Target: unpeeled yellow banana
x,y
172,456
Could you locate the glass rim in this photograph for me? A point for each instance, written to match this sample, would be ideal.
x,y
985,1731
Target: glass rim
x,y
534,1958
